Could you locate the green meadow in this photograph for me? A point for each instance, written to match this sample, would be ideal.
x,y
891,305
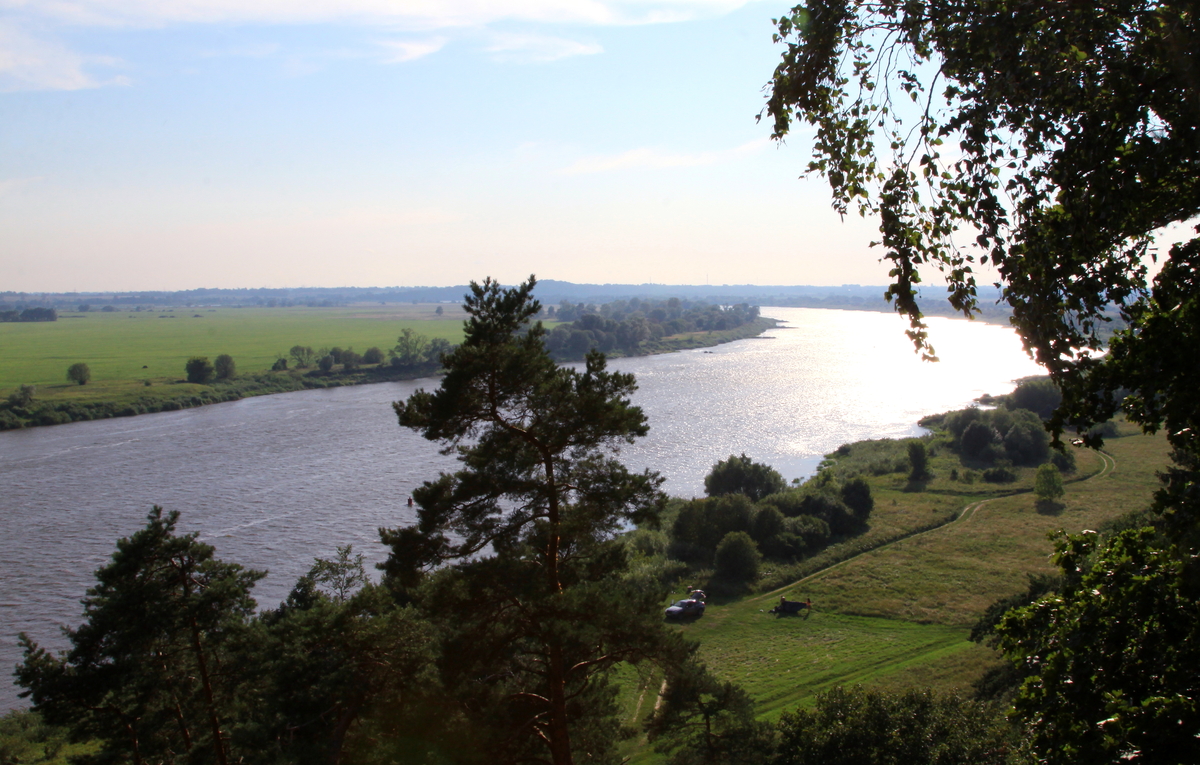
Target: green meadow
x,y
897,616
124,347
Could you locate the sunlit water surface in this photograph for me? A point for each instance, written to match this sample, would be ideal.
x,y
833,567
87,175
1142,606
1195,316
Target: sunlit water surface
x,y
275,481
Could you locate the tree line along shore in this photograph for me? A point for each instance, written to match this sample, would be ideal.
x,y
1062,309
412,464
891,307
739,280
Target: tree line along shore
x,y
123,354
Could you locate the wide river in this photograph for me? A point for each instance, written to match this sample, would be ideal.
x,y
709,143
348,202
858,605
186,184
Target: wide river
x,y
275,481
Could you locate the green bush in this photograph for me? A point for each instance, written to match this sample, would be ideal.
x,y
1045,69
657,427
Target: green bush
x,y
199,369
79,373
737,558
741,475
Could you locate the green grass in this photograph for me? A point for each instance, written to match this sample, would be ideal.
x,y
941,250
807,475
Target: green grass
x,y
124,348
898,616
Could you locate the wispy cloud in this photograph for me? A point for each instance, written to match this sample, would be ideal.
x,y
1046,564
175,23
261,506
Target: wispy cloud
x,y
538,48
645,158
29,62
401,51
413,13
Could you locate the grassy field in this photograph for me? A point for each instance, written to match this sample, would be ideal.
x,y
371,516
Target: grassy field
x,y
155,345
898,616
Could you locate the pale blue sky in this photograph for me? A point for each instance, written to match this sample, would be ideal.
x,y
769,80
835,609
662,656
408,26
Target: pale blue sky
x,y
147,144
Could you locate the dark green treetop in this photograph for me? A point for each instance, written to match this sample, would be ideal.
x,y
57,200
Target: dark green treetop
x,y
146,672
742,475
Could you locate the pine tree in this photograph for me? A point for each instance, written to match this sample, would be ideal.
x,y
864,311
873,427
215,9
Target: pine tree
x,y
539,607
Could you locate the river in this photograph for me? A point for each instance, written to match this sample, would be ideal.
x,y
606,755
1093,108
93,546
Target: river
x,y
274,481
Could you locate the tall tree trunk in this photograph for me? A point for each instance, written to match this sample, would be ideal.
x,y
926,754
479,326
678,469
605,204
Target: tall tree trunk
x,y
213,721
559,733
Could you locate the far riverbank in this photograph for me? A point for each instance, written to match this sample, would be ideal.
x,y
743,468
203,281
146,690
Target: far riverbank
x,y
128,398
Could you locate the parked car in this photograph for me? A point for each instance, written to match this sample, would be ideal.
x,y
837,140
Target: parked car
x,y
686,607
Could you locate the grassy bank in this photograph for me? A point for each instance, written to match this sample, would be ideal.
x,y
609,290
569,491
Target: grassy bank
x,y
137,358
128,347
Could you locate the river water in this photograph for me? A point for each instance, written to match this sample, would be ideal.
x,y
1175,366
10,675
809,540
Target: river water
x,y
274,481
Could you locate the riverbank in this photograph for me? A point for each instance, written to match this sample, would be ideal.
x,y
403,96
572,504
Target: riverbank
x,y
60,404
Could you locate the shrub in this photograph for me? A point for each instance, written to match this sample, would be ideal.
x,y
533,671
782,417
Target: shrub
x,y
79,373
856,493
999,475
918,460
23,396
976,438
741,475
225,367
1048,484
1064,461
737,558
199,369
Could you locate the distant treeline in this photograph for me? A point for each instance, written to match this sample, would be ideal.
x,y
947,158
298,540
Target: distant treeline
x,y
634,326
549,292
29,314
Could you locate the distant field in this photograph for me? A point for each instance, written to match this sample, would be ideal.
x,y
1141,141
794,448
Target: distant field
x,y
898,617
155,345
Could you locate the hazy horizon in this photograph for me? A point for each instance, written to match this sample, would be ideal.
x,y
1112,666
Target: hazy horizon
x,y
166,146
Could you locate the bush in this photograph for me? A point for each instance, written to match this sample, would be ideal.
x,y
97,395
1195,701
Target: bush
x,y
326,363
999,475
852,726
280,365
737,558
856,493
372,355
741,475
976,438
918,460
1039,395
1064,461
199,369
1048,484
23,396
224,367
79,373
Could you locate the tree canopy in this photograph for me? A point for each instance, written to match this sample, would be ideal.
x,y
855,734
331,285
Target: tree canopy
x,y
1052,142
742,475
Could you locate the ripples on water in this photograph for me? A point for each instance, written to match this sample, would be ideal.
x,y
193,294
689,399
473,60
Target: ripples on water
x,y
273,482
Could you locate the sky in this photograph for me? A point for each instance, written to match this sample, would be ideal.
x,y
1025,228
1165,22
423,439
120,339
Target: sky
x,y
147,144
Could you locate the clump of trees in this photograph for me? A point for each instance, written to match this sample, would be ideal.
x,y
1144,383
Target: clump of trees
x,y
784,525
415,352
172,658
30,314
628,326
